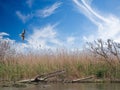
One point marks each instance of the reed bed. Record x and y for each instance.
(77, 63)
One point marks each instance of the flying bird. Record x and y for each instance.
(23, 35)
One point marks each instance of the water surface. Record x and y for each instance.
(80, 86)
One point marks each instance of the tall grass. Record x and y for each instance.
(76, 63)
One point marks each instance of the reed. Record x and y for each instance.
(77, 64)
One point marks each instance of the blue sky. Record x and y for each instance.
(58, 23)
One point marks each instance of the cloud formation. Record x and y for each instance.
(71, 40)
(39, 13)
(45, 37)
(48, 37)
(6, 39)
(24, 17)
(108, 25)
(48, 10)
(3, 34)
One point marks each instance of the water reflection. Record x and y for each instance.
(80, 86)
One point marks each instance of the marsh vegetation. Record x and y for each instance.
(99, 58)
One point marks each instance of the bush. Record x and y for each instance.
(100, 73)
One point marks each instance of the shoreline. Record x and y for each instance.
(18, 84)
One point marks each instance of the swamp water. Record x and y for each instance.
(74, 86)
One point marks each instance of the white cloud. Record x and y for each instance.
(70, 40)
(42, 37)
(39, 13)
(108, 25)
(89, 38)
(17, 46)
(24, 17)
(48, 37)
(48, 10)
(3, 34)
(5, 39)
(29, 3)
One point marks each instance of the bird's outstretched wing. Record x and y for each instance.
(23, 32)
(23, 35)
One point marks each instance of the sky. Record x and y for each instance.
(58, 23)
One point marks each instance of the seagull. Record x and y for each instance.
(23, 35)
